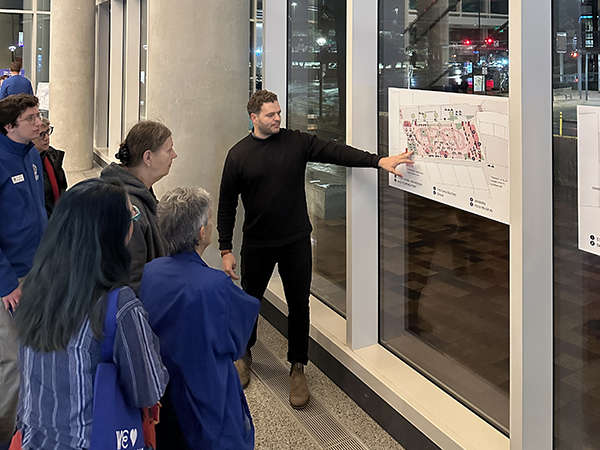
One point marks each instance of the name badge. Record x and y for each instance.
(18, 179)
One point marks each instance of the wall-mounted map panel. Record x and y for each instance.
(588, 177)
(460, 145)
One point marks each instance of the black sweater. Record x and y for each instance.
(269, 175)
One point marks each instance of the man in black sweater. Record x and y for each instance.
(267, 169)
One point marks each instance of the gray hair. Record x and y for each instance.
(181, 213)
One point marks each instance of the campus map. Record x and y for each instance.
(460, 149)
(443, 132)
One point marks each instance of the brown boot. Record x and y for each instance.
(299, 394)
(243, 367)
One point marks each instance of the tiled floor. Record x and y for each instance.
(277, 429)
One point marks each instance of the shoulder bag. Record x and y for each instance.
(116, 426)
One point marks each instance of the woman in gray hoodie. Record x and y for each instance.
(146, 156)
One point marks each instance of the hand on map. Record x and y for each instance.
(390, 163)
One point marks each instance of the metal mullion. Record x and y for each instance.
(531, 276)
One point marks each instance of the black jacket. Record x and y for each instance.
(56, 158)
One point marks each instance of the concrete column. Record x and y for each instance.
(72, 81)
(198, 84)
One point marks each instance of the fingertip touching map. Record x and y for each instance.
(460, 149)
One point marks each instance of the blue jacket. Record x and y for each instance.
(15, 84)
(22, 210)
(203, 322)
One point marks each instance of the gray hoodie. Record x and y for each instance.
(146, 242)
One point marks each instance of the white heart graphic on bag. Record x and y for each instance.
(133, 437)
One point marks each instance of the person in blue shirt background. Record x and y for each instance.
(203, 321)
(16, 83)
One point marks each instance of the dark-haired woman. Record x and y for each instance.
(146, 156)
(60, 318)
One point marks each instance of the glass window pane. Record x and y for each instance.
(16, 4)
(43, 5)
(143, 57)
(43, 49)
(471, 5)
(256, 47)
(258, 55)
(252, 81)
(444, 272)
(442, 51)
(102, 76)
(15, 35)
(499, 6)
(576, 177)
(317, 104)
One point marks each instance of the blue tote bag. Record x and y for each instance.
(116, 425)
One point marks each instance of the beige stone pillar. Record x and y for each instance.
(198, 82)
(72, 81)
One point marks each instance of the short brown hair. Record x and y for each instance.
(12, 107)
(258, 98)
(145, 135)
(15, 66)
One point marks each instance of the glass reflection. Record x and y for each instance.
(256, 46)
(576, 272)
(444, 272)
(143, 58)
(317, 104)
(442, 45)
(43, 49)
(16, 4)
(16, 39)
(43, 5)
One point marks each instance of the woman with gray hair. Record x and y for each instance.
(203, 321)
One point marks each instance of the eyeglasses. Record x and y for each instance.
(136, 213)
(48, 132)
(31, 118)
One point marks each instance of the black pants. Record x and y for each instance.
(295, 268)
(168, 432)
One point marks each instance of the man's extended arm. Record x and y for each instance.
(321, 150)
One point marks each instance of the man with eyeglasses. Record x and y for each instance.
(23, 221)
(55, 179)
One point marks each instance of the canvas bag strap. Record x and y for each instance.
(110, 326)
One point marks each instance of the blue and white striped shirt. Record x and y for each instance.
(57, 388)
